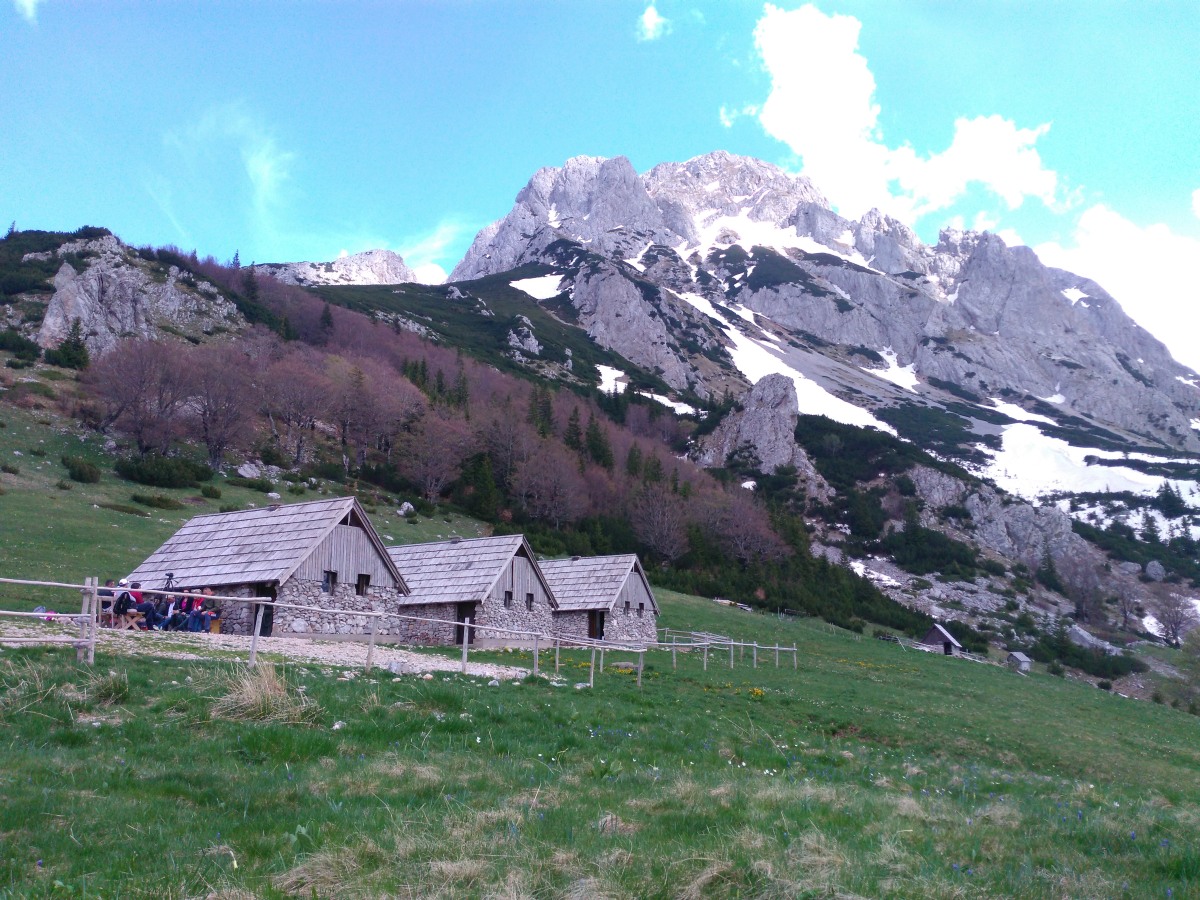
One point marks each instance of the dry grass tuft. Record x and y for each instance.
(1001, 814)
(610, 823)
(108, 689)
(820, 856)
(591, 889)
(909, 808)
(229, 892)
(261, 694)
(326, 873)
(705, 879)
(457, 870)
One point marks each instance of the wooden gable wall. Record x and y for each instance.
(349, 552)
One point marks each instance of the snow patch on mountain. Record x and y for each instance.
(543, 287)
(901, 376)
(756, 359)
(1074, 295)
(1018, 413)
(1031, 464)
(613, 380)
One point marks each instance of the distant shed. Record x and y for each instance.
(491, 581)
(605, 597)
(1019, 662)
(323, 554)
(943, 640)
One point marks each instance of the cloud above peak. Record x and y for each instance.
(28, 9)
(833, 126)
(651, 25)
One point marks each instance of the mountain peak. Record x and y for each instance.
(367, 267)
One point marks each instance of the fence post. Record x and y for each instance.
(592, 673)
(641, 665)
(706, 656)
(371, 646)
(94, 622)
(795, 659)
(755, 652)
(556, 656)
(674, 664)
(601, 659)
(535, 654)
(84, 609)
(731, 654)
(258, 617)
(466, 642)
(777, 654)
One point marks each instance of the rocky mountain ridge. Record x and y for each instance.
(368, 267)
(762, 250)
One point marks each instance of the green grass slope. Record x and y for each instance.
(866, 771)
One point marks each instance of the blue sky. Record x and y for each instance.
(293, 131)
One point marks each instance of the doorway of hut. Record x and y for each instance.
(463, 612)
(268, 619)
(596, 624)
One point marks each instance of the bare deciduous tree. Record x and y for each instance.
(142, 391)
(220, 398)
(294, 393)
(432, 452)
(660, 521)
(549, 485)
(1176, 614)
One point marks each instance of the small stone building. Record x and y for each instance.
(323, 554)
(492, 581)
(939, 638)
(603, 597)
(1019, 662)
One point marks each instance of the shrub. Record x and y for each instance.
(158, 501)
(37, 451)
(262, 485)
(163, 471)
(211, 491)
(63, 485)
(79, 469)
(122, 508)
(1055, 668)
(1104, 685)
(9, 469)
(19, 346)
(231, 507)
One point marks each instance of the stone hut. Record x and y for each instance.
(322, 554)
(492, 581)
(1019, 662)
(603, 597)
(942, 640)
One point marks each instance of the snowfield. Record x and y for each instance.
(541, 288)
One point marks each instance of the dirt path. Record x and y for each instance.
(182, 645)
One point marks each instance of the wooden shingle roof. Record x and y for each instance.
(461, 570)
(252, 545)
(593, 582)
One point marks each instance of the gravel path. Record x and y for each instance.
(182, 645)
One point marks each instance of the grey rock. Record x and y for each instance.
(119, 295)
(300, 626)
(1129, 568)
(1155, 570)
(765, 430)
(368, 267)
(1083, 638)
(249, 470)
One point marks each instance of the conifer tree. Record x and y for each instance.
(573, 436)
(598, 447)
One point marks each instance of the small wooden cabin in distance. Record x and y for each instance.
(324, 554)
(603, 597)
(940, 639)
(492, 581)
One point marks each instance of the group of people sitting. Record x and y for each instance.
(125, 606)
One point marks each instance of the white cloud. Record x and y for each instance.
(833, 126)
(1150, 272)
(343, 253)
(431, 273)
(430, 252)
(652, 26)
(28, 9)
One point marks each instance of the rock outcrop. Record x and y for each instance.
(763, 431)
(117, 295)
(368, 267)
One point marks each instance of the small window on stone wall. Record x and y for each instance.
(626, 607)
(360, 587)
(508, 599)
(529, 602)
(328, 582)
(641, 609)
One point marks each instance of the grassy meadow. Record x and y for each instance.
(866, 771)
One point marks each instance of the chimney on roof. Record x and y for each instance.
(576, 558)
(274, 506)
(455, 540)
